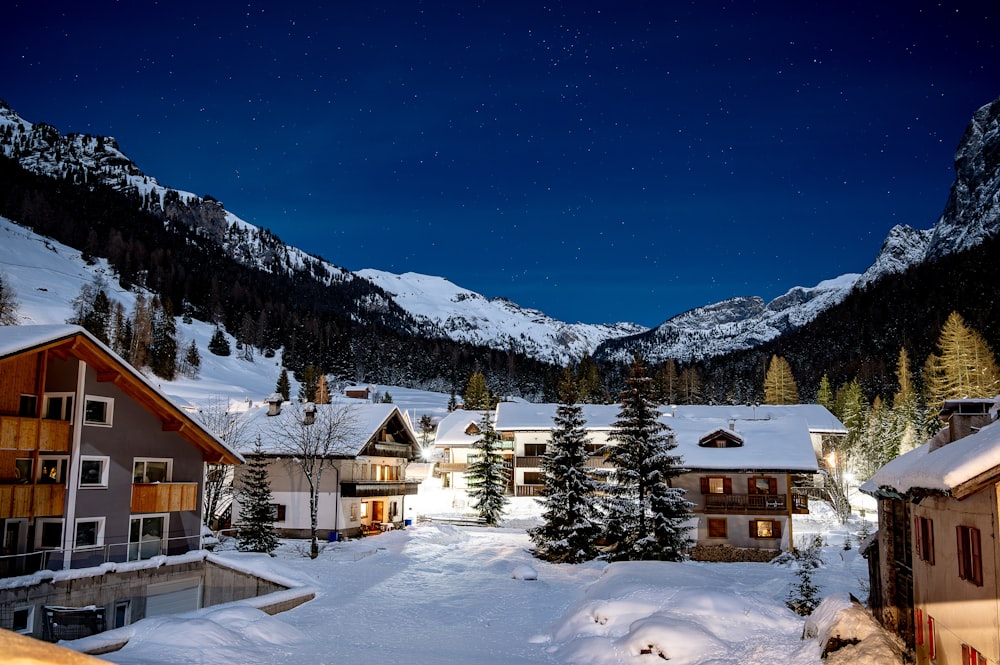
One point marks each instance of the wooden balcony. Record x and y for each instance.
(32, 501)
(164, 497)
(529, 461)
(393, 449)
(35, 434)
(369, 488)
(528, 490)
(452, 467)
(800, 503)
(746, 503)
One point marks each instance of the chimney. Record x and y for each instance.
(274, 401)
(309, 411)
(965, 417)
(732, 425)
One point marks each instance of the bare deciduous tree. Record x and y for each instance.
(313, 437)
(231, 429)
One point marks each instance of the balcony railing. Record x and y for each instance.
(393, 449)
(35, 434)
(528, 490)
(529, 461)
(452, 467)
(164, 497)
(368, 488)
(746, 503)
(32, 500)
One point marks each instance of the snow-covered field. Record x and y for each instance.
(436, 593)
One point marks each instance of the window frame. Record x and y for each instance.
(141, 518)
(105, 466)
(756, 524)
(278, 512)
(98, 533)
(145, 474)
(725, 483)
(715, 522)
(931, 642)
(22, 477)
(923, 538)
(61, 463)
(27, 406)
(970, 554)
(66, 407)
(40, 523)
(29, 626)
(971, 656)
(109, 410)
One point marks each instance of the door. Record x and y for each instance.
(378, 511)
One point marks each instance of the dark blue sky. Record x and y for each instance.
(600, 161)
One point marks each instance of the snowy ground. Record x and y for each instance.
(436, 593)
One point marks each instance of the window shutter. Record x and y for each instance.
(976, 558)
(727, 485)
(772, 485)
(918, 541)
(776, 525)
(930, 541)
(918, 625)
(704, 484)
(751, 486)
(753, 528)
(963, 573)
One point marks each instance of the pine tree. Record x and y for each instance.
(487, 475)
(779, 384)
(963, 367)
(824, 396)
(255, 532)
(452, 401)
(308, 383)
(192, 361)
(219, 344)
(804, 596)
(570, 518)
(588, 378)
(477, 395)
(644, 515)
(283, 387)
(163, 347)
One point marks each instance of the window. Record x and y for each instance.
(48, 533)
(923, 534)
(972, 657)
(717, 528)
(763, 485)
(918, 626)
(765, 529)
(716, 485)
(123, 613)
(145, 536)
(23, 470)
(533, 478)
(364, 509)
(594, 448)
(59, 406)
(98, 411)
(93, 471)
(23, 619)
(364, 472)
(89, 532)
(534, 449)
(151, 470)
(277, 512)
(970, 558)
(931, 642)
(52, 469)
(354, 512)
(28, 406)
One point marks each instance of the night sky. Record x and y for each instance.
(600, 161)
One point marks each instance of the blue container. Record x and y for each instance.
(334, 536)
(407, 522)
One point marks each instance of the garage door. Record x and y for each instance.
(173, 597)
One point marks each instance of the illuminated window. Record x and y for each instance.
(970, 558)
(364, 509)
(718, 528)
(923, 533)
(52, 469)
(765, 529)
(716, 485)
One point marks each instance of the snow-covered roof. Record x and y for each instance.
(453, 428)
(947, 469)
(366, 420)
(22, 339)
(777, 438)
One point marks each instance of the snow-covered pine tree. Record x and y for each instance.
(219, 344)
(803, 597)
(644, 516)
(283, 386)
(570, 518)
(255, 532)
(487, 475)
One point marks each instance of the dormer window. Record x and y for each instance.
(721, 438)
(473, 430)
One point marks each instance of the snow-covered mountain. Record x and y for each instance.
(443, 309)
(971, 215)
(498, 323)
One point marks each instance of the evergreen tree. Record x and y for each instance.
(452, 401)
(963, 367)
(804, 596)
(219, 344)
(255, 532)
(308, 383)
(8, 304)
(644, 515)
(666, 383)
(487, 475)
(570, 518)
(907, 411)
(824, 396)
(588, 378)
(779, 384)
(477, 395)
(426, 427)
(142, 332)
(92, 309)
(283, 387)
(192, 361)
(386, 398)
(163, 348)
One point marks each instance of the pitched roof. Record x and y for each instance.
(366, 421)
(774, 437)
(70, 340)
(452, 431)
(957, 468)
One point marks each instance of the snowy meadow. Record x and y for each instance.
(439, 593)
